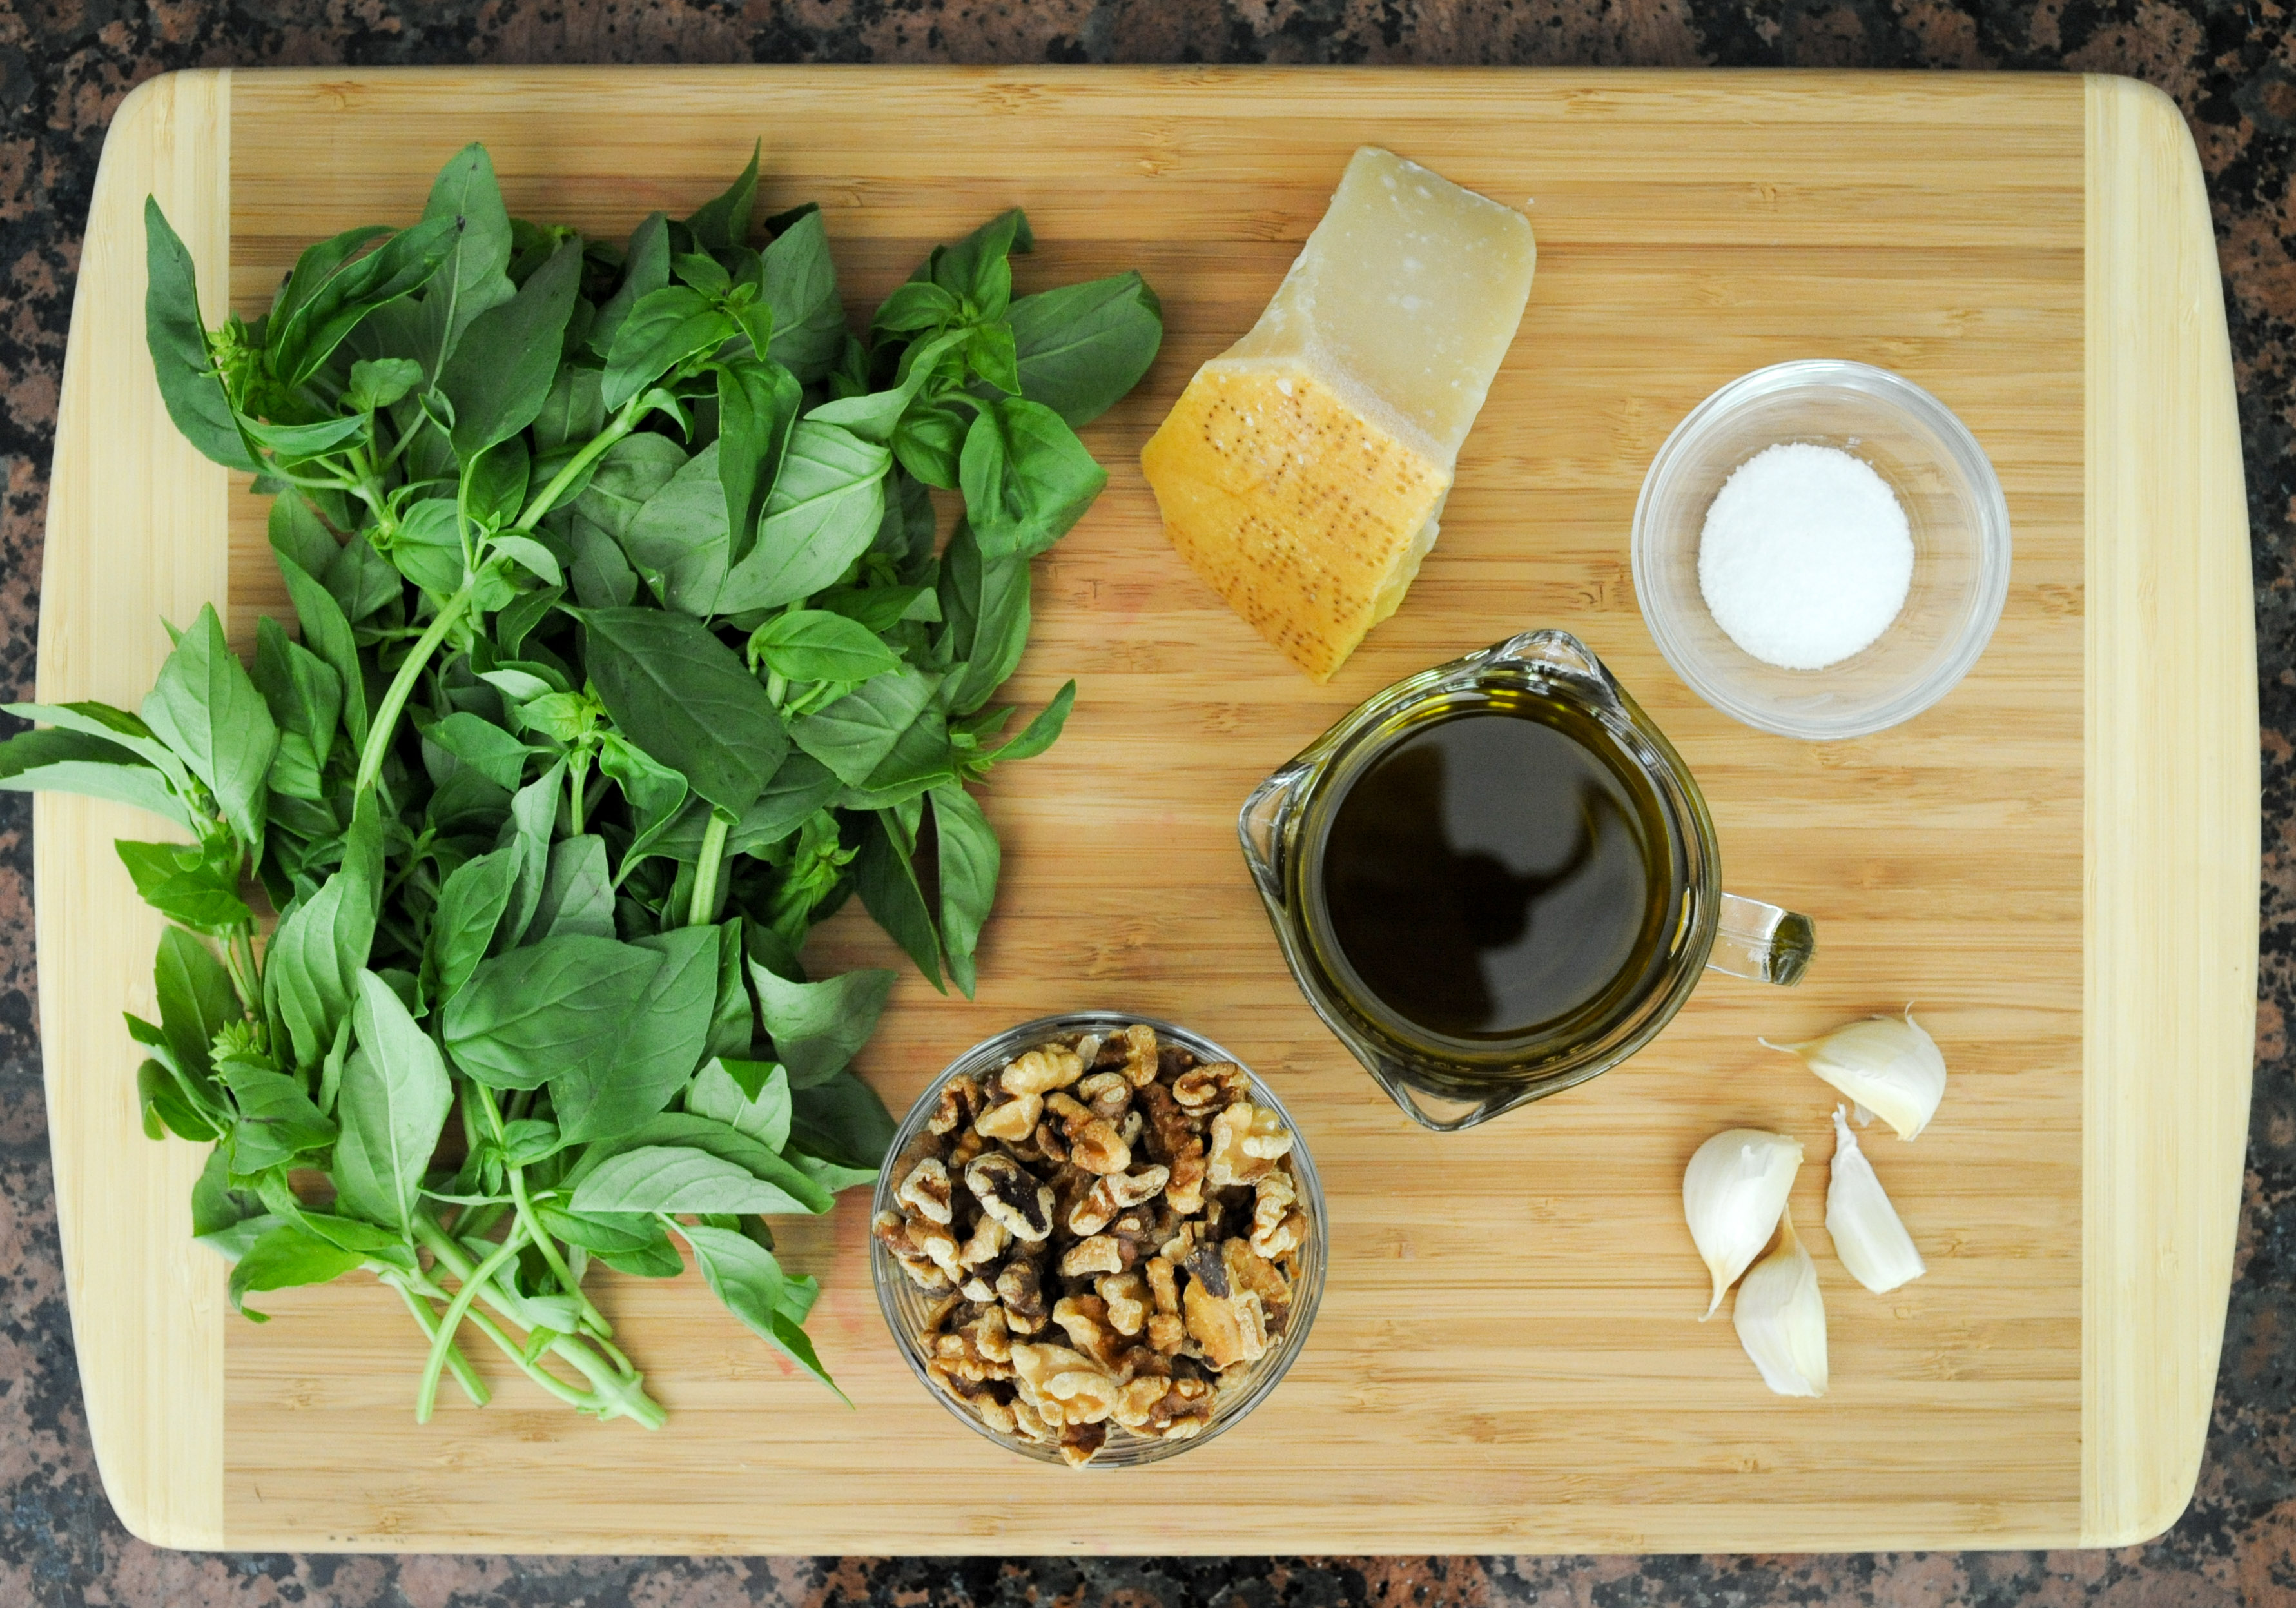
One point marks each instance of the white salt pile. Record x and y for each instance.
(1805, 556)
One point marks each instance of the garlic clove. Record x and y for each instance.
(1733, 1193)
(1781, 1318)
(1868, 1237)
(1887, 1064)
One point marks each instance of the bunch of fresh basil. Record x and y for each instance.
(626, 655)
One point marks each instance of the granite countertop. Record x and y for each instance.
(64, 66)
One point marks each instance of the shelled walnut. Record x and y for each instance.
(1109, 1192)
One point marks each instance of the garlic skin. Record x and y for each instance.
(1868, 1236)
(1887, 1064)
(1781, 1318)
(1732, 1194)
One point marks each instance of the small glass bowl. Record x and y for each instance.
(906, 1305)
(1952, 500)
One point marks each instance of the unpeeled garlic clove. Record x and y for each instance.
(1733, 1193)
(1868, 1237)
(1781, 1318)
(1887, 1064)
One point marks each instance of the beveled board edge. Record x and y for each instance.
(2173, 819)
(136, 524)
(2166, 1068)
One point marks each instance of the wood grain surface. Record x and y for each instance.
(2058, 867)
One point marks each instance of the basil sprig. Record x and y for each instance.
(626, 649)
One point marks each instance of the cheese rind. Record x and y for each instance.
(1289, 501)
(1301, 472)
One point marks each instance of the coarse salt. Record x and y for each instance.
(1806, 556)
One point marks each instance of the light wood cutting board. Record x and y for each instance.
(2058, 862)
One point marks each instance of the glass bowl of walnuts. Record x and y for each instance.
(1098, 1239)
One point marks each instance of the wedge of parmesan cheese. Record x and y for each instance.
(1303, 471)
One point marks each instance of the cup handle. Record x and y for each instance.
(1762, 941)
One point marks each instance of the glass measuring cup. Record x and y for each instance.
(1446, 1082)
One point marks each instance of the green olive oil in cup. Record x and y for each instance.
(1495, 880)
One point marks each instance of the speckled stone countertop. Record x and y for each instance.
(65, 64)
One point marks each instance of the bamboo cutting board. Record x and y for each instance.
(2058, 863)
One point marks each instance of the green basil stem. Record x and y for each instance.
(547, 498)
(705, 870)
(386, 715)
(425, 1319)
(426, 1395)
(531, 1222)
(611, 1396)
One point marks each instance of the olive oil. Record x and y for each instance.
(1496, 873)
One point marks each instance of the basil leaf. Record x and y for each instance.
(745, 1276)
(471, 906)
(314, 265)
(727, 1143)
(723, 222)
(1035, 737)
(552, 1010)
(629, 474)
(178, 342)
(645, 269)
(986, 602)
(886, 879)
(658, 1043)
(206, 708)
(991, 354)
(822, 514)
(311, 965)
(758, 404)
(194, 884)
(533, 814)
(196, 999)
(474, 279)
(362, 580)
(302, 690)
(574, 411)
(1026, 477)
(702, 713)
(675, 1178)
(277, 1121)
(602, 1232)
(815, 645)
(600, 572)
(817, 1027)
(577, 896)
(284, 1258)
(327, 632)
(979, 268)
(300, 344)
(112, 725)
(800, 285)
(655, 794)
(54, 762)
(872, 415)
(852, 735)
(880, 608)
(215, 1205)
(930, 441)
(1082, 347)
(664, 329)
(294, 443)
(678, 540)
(377, 383)
(968, 858)
(392, 1104)
(503, 366)
(842, 1120)
(750, 1097)
(494, 482)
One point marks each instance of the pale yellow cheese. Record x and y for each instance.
(1302, 471)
